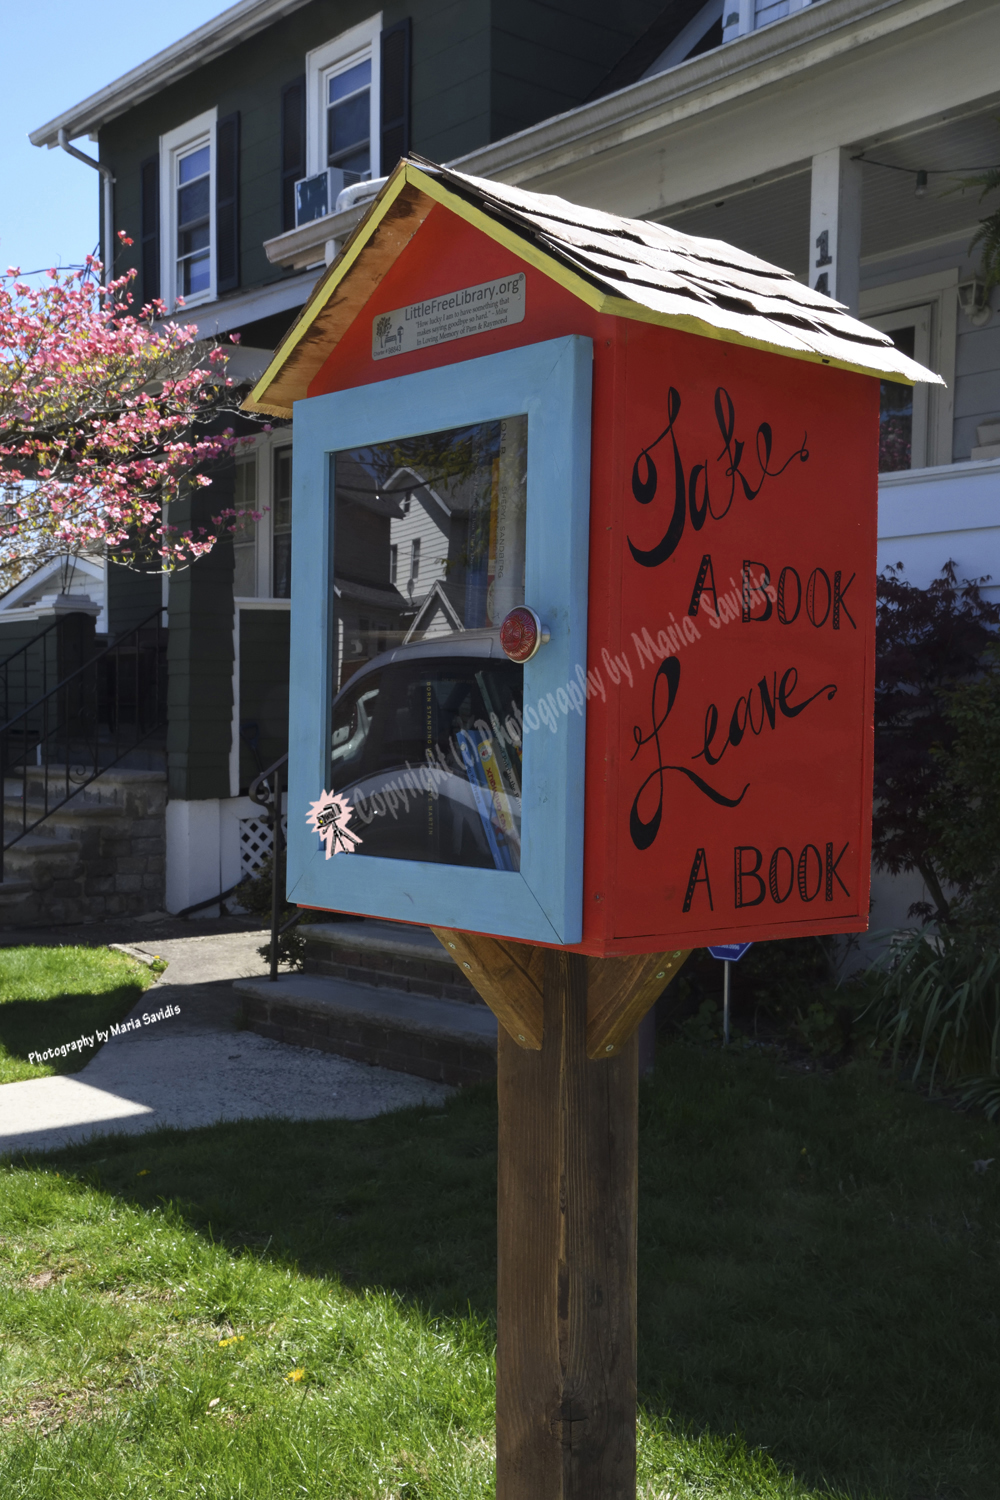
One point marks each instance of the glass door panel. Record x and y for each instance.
(429, 556)
(903, 408)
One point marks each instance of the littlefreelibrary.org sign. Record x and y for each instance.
(454, 315)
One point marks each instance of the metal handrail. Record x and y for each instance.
(271, 803)
(68, 717)
(23, 651)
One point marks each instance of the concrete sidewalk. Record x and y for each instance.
(197, 1068)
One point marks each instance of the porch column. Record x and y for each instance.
(835, 227)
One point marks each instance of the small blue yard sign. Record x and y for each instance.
(731, 951)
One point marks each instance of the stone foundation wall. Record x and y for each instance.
(101, 855)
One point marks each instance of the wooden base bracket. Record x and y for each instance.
(509, 976)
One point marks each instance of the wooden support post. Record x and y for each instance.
(566, 1263)
(568, 1085)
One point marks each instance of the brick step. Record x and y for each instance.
(385, 954)
(448, 1041)
(109, 787)
(35, 846)
(13, 892)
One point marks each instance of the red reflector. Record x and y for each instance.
(521, 633)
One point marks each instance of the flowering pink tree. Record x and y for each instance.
(106, 417)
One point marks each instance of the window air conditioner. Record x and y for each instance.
(316, 196)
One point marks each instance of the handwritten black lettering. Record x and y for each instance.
(691, 490)
(644, 830)
(838, 600)
(696, 878)
(803, 872)
(808, 873)
(783, 596)
(751, 586)
(814, 597)
(740, 874)
(773, 876)
(774, 698)
(831, 872)
(704, 583)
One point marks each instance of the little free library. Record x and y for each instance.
(636, 472)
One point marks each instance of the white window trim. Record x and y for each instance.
(172, 145)
(234, 730)
(939, 291)
(350, 47)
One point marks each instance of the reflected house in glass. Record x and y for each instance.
(431, 535)
(662, 451)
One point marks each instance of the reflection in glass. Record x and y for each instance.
(895, 433)
(348, 122)
(428, 537)
(429, 552)
(194, 270)
(428, 753)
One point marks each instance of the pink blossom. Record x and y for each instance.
(103, 421)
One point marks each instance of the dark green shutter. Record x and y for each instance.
(227, 204)
(149, 232)
(395, 86)
(293, 146)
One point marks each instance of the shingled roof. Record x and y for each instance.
(630, 268)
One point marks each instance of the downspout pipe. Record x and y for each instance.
(108, 181)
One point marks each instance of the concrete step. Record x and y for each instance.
(449, 1041)
(390, 954)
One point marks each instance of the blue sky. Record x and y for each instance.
(49, 210)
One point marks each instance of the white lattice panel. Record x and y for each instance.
(255, 843)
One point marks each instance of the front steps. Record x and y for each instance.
(99, 855)
(382, 993)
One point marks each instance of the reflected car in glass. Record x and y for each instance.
(426, 747)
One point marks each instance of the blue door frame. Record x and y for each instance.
(543, 902)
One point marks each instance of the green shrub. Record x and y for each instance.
(782, 979)
(254, 894)
(938, 1005)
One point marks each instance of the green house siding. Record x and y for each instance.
(264, 655)
(200, 657)
(449, 38)
(549, 57)
(481, 69)
(132, 598)
(57, 646)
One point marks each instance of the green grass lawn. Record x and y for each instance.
(51, 996)
(270, 1310)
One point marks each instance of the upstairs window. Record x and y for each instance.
(191, 212)
(349, 121)
(194, 221)
(343, 103)
(187, 211)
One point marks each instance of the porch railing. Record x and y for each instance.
(25, 674)
(79, 728)
(265, 790)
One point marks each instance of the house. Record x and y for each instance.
(831, 138)
(206, 143)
